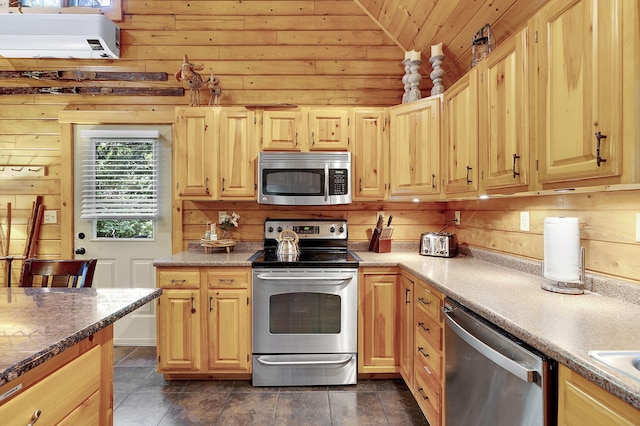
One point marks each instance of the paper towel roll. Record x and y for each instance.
(562, 260)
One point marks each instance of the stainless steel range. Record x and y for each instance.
(305, 305)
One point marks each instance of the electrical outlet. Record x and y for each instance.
(456, 219)
(50, 216)
(524, 221)
(221, 216)
(638, 227)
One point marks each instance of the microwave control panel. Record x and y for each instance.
(338, 181)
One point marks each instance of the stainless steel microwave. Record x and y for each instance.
(304, 178)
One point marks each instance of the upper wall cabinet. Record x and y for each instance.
(461, 136)
(215, 153)
(370, 151)
(195, 154)
(415, 149)
(504, 118)
(578, 90)
(306, 129)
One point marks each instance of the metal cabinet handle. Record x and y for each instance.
(420, 391)
(407, 299)
(313, 139)
(210, 303)
(206, 184)
(296, 138)
(178, 281)
(468, 170)
(360, 186)
(433, 180)
(424, 301)
(599, 159)
(513, 168)
(226, 280)
(422, 326)
(424, 354)
(193, 305)
(222, 184)
(34, 417)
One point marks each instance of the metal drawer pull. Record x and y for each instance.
(513, 168)
(226, 280)
(599, 159)
(424, 301)
(422, 394)
(421, 325)
(424, 354)
(34, 417)
(193, 307)
(343, 360)
(178, 281)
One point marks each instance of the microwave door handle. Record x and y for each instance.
(326, 182)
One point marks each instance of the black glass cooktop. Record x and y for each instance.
(306, 259)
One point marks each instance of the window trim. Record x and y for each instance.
(114, 12)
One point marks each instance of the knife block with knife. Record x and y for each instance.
(381, 236)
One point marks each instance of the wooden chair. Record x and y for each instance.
(57, 273)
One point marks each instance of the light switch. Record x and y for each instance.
(524, 221)
(50, 216)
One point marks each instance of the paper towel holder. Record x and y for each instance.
(567, 287)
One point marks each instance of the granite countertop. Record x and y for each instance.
(38, 323)
(506, 290)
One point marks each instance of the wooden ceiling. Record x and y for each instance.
(418, 24)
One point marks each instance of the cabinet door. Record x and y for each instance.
(405, 309)
(228, 330)
(329, 129)
(370, 154)
(377, 347)
(195, 153)
(179, 330)
(504, 123)
(281, 130)
(581, 402)
(578, 55)
(415, 149)
(238, 154)
(461, 135)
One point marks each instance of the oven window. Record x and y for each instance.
(304, 313)
(293, 182)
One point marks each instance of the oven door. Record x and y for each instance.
(305, 311)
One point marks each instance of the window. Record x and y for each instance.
(112, 9)
(120, 183)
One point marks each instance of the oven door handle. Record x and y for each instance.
(340, 361)
(522, 372)
(303, 277)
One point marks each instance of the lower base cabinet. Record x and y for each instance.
(73, 388)
(581, 402)
(204, 322)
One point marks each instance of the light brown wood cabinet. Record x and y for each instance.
(415, 150)
(581, 402)
(503, 117)
(215, 153)
(204, 322)
(406, 335)
(377, 320)
(370, 154)
(578, 90)
(428, 350)
(305, 129)
(460, 140)
(74, 387)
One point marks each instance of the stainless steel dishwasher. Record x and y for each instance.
(492, 379)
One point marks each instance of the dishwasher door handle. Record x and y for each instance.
(522, 372)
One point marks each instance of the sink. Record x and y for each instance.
(626, 362)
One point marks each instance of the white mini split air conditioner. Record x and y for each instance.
(58, 36)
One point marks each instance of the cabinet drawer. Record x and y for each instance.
(429, 301)
(430, 357)
(56, 395)
(88, 413)
(429, 396)
(178, 278)
(429, 328)
(227, 278)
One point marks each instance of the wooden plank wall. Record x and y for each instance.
(607, 227)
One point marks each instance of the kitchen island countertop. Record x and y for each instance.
(564, 327)
(40, 323)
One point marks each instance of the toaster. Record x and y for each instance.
(440, 244)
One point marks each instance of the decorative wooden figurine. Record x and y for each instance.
(188, 74)
(215, 91)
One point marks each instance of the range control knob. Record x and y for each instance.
(270, 229)
(279, 229)
(341, 230)
(332, 229)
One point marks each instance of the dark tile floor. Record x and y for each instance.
(143, 397)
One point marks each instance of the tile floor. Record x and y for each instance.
(143, 397)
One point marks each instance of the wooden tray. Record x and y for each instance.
(211, 244)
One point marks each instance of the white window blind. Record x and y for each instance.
(120, 178)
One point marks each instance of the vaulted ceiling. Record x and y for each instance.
(418, 24)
